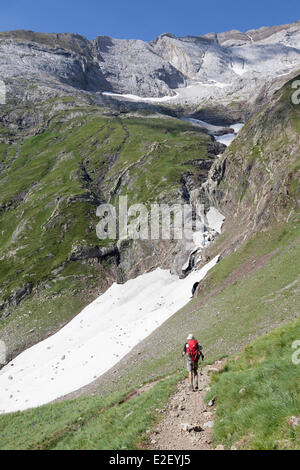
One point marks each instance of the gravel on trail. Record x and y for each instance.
(187, 422)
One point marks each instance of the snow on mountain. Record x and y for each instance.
(231, 66)
(95, 340)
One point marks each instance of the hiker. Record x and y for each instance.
(193, 350)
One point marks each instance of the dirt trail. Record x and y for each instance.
(186, 407)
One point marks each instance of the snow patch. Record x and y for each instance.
(238, 68)
(199, 123)
(226, 139)
(95, 340)
(237, 127)
(215, 219)
(140, 98)
(214, 83)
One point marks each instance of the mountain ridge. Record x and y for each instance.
(186, 69)
(268, 30)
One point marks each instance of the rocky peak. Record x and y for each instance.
(72, 42)
(231, 69)
(267, 32)
(232, 38)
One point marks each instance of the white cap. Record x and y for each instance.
(190, 336)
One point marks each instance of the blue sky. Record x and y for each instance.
(145, 19)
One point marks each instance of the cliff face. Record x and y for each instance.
(197, 73)
(60, 159)
(256, 182)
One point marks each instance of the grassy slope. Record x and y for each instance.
(228, 320)
(257, 418)
(48, 169)
(224, 323)
(49, 191)
(114, 422)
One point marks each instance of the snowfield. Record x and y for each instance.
(225, 139)
(228, 138)
(140, 98)
(198, 123)
(95, 340)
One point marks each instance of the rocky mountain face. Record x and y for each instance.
(88, 121)
(54, 175)
(232, 69)
(256, 180)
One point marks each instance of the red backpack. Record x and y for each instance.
(192, 350)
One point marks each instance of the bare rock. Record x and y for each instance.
(212, 402)
(213, 370)
(294, 421)
(186, 427)
(208, 424)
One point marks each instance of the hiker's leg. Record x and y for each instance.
(195, 370)
(196, 378)
(191, 381)
(189, 366)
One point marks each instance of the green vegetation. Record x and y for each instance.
(42, 313)
(258, 393)
(251, 305)
(116, 422)
(50, 186)
(261, 244)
